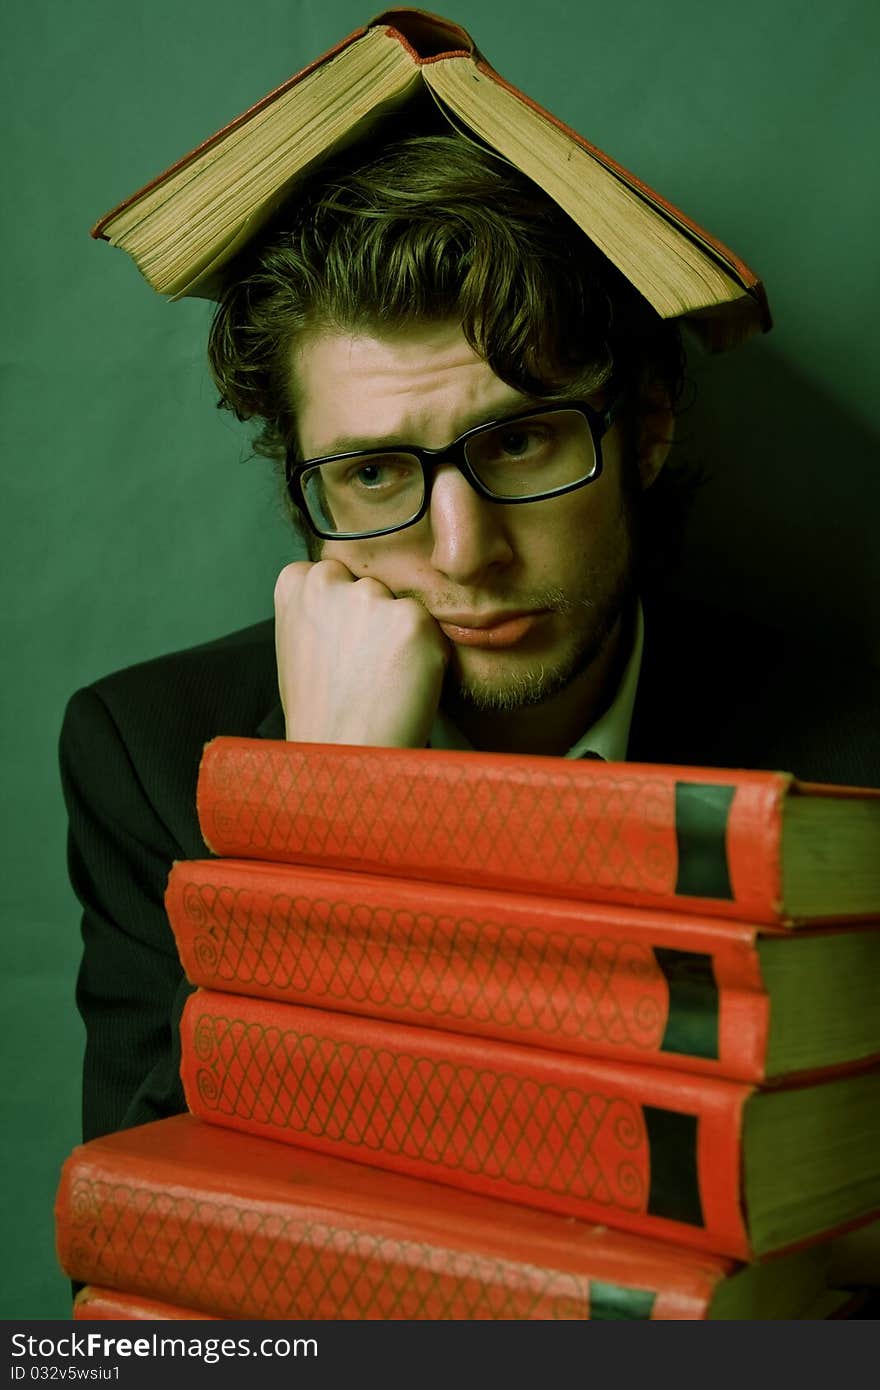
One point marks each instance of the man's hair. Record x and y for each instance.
(432, 227)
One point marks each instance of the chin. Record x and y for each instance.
(512, 685)
(503, 682)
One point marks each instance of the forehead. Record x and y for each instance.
(423, 384)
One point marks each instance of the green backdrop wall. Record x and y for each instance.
(134, 521)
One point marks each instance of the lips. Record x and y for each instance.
(491, 630)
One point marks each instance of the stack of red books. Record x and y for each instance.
(538, 1038)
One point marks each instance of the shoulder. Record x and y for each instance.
(722, 689)
(246, 658)
(138, 734)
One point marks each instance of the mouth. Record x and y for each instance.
(493, 630)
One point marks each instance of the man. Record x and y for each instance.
(472, 412)
(522, 615)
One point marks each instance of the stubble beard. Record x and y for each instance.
(604, 608)
(602, 612)
(516, 689)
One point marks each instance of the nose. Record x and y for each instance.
(469, 535)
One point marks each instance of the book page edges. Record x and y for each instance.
(468, 50)
(618, 201)
(362, 70)
(732, 262)
(203, 280)
(99, 230)
(797, 787)
(716, 326)
(728, 325)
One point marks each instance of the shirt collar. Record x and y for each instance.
(608, 736)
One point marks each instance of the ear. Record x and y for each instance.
(655, 433)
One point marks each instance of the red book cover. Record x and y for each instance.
(706, 840)
(641, 1148)
(596, 980)
(680, 991)
(93, 1304)
(238, 1227)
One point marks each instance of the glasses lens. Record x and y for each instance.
(533, 454)
(368, 493)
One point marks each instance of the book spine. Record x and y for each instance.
(636, 1148)
(618, 983)
(205, 1238)
(94, 1304)
(644, 835)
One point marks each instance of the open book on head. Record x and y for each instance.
(186, 225)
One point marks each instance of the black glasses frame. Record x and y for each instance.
(599, 423)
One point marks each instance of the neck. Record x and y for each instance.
(553, 725)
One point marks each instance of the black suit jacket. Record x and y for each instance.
(713, 692)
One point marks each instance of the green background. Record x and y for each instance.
(134, 521)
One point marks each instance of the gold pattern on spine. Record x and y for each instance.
(584, 829)
(448, 1117)
(431, 966)
(206, 1253)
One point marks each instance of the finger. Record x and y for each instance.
(290, 581)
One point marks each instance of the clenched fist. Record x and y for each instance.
(355, 664)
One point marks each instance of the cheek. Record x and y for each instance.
(380, 560)
(339, 550)
(582, 528)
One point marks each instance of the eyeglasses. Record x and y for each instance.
(542, 453)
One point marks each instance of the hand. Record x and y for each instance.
(355, 664)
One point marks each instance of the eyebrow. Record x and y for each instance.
(351, 443)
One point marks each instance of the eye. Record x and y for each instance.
(378, 474)
(516, 442)
(522, 441)
(370, 475)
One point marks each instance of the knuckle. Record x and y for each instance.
(370, 588)
(287, 583)
(329, 571)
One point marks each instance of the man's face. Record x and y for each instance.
(528, 595)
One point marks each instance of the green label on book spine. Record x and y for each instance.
(611, 1303)
(692, 1020)
(675, 1179)
(701, 816)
